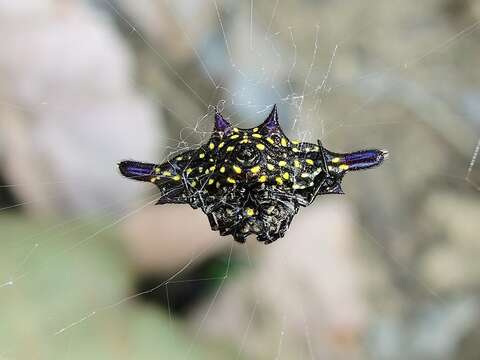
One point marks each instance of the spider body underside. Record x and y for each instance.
(251, 181)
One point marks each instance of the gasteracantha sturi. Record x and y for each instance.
(251, 181)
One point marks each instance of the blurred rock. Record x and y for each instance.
(71, 96)
(451, 266)
(433, 332)
(165, 239)
(165, 23)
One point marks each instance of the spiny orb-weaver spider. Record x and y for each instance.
(251, 181)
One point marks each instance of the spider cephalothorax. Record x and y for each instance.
(251, 181)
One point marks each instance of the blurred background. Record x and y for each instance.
(90, 269)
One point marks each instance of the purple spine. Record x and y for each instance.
(222, 125)
(136, 170)
(364, 159)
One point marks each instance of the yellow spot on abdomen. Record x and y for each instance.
(335, 160)
(211, 146)
(282, 163)
(283, 142)
(309, 161)
(167, 173)
(260, 147)
(230, 180)
(201, 155)
(250, 212)
(234, 136)
(230, 148)
(222, 169)
(286, 176)
(176, 178)
(270, 167)
(343, 167)
(262, 178)
(270, 140)
(296, 163)
(237, 169)
(210, 181)
(255, 169)
(279, 180)
(258, 136)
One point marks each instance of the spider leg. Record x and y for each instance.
(171, 195)
(213, 221)
(239, 237)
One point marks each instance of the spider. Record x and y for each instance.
(251, 181)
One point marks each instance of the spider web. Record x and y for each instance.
(306, 81)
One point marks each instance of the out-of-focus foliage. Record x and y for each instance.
(51, 293)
